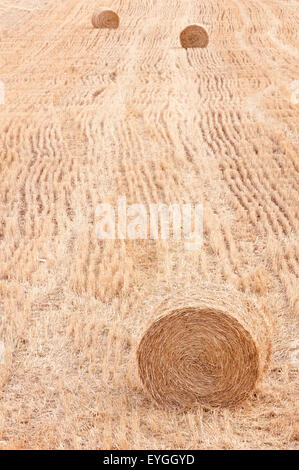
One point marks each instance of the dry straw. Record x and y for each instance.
(207, 346)
(105, 18)
(194, 35)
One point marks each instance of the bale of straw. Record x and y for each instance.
(105, 18)
(194, 35)
(209, 346)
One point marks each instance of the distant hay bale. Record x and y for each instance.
(105, 18)
(209, 347)
(194, 35)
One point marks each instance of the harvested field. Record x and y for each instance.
(91, 115)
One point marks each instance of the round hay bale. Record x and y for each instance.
(208, 347)
(105, 18)
(194, 35)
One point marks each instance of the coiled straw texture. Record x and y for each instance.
(209, 347)
(194, 35)
(105, 18)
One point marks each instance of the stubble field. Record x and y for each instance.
(91, 115)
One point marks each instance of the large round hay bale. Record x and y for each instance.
(105, 18)
(194, 35)
(209, 347)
